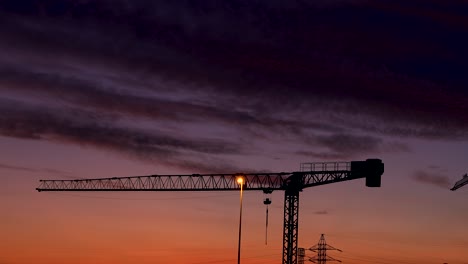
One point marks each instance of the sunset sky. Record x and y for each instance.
(111, 88)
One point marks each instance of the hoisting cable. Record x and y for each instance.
(266, 202)
(266, 227)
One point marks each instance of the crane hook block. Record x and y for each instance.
(267, 201)
(372, 169)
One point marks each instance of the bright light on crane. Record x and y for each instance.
(240, 180)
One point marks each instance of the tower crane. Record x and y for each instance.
(292, 183)
(461, 182)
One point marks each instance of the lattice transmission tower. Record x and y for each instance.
(321, 249)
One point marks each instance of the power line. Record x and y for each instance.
(226, 260)
(362, 241)
(383, 260)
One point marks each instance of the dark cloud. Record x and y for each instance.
(93, 95)
(322, 212)
(433, 178)
(70, 126)
(342, 146)
(324, 155)
(90, 129)
(335, 76)
(34, 170)
(349, 143)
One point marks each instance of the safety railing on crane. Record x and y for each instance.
(326, 166)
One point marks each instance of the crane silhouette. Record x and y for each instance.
(292, 183)
(461, 182)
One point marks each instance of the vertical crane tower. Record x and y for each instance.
(292, 183)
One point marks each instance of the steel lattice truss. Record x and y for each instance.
(325, 173)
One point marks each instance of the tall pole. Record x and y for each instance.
(240, 180)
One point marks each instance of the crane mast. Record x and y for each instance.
(292, 183)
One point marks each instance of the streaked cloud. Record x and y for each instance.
(191, 85)
(322, 212)
(5, 166)
(432, 178)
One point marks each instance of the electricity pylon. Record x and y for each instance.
(321, 249)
